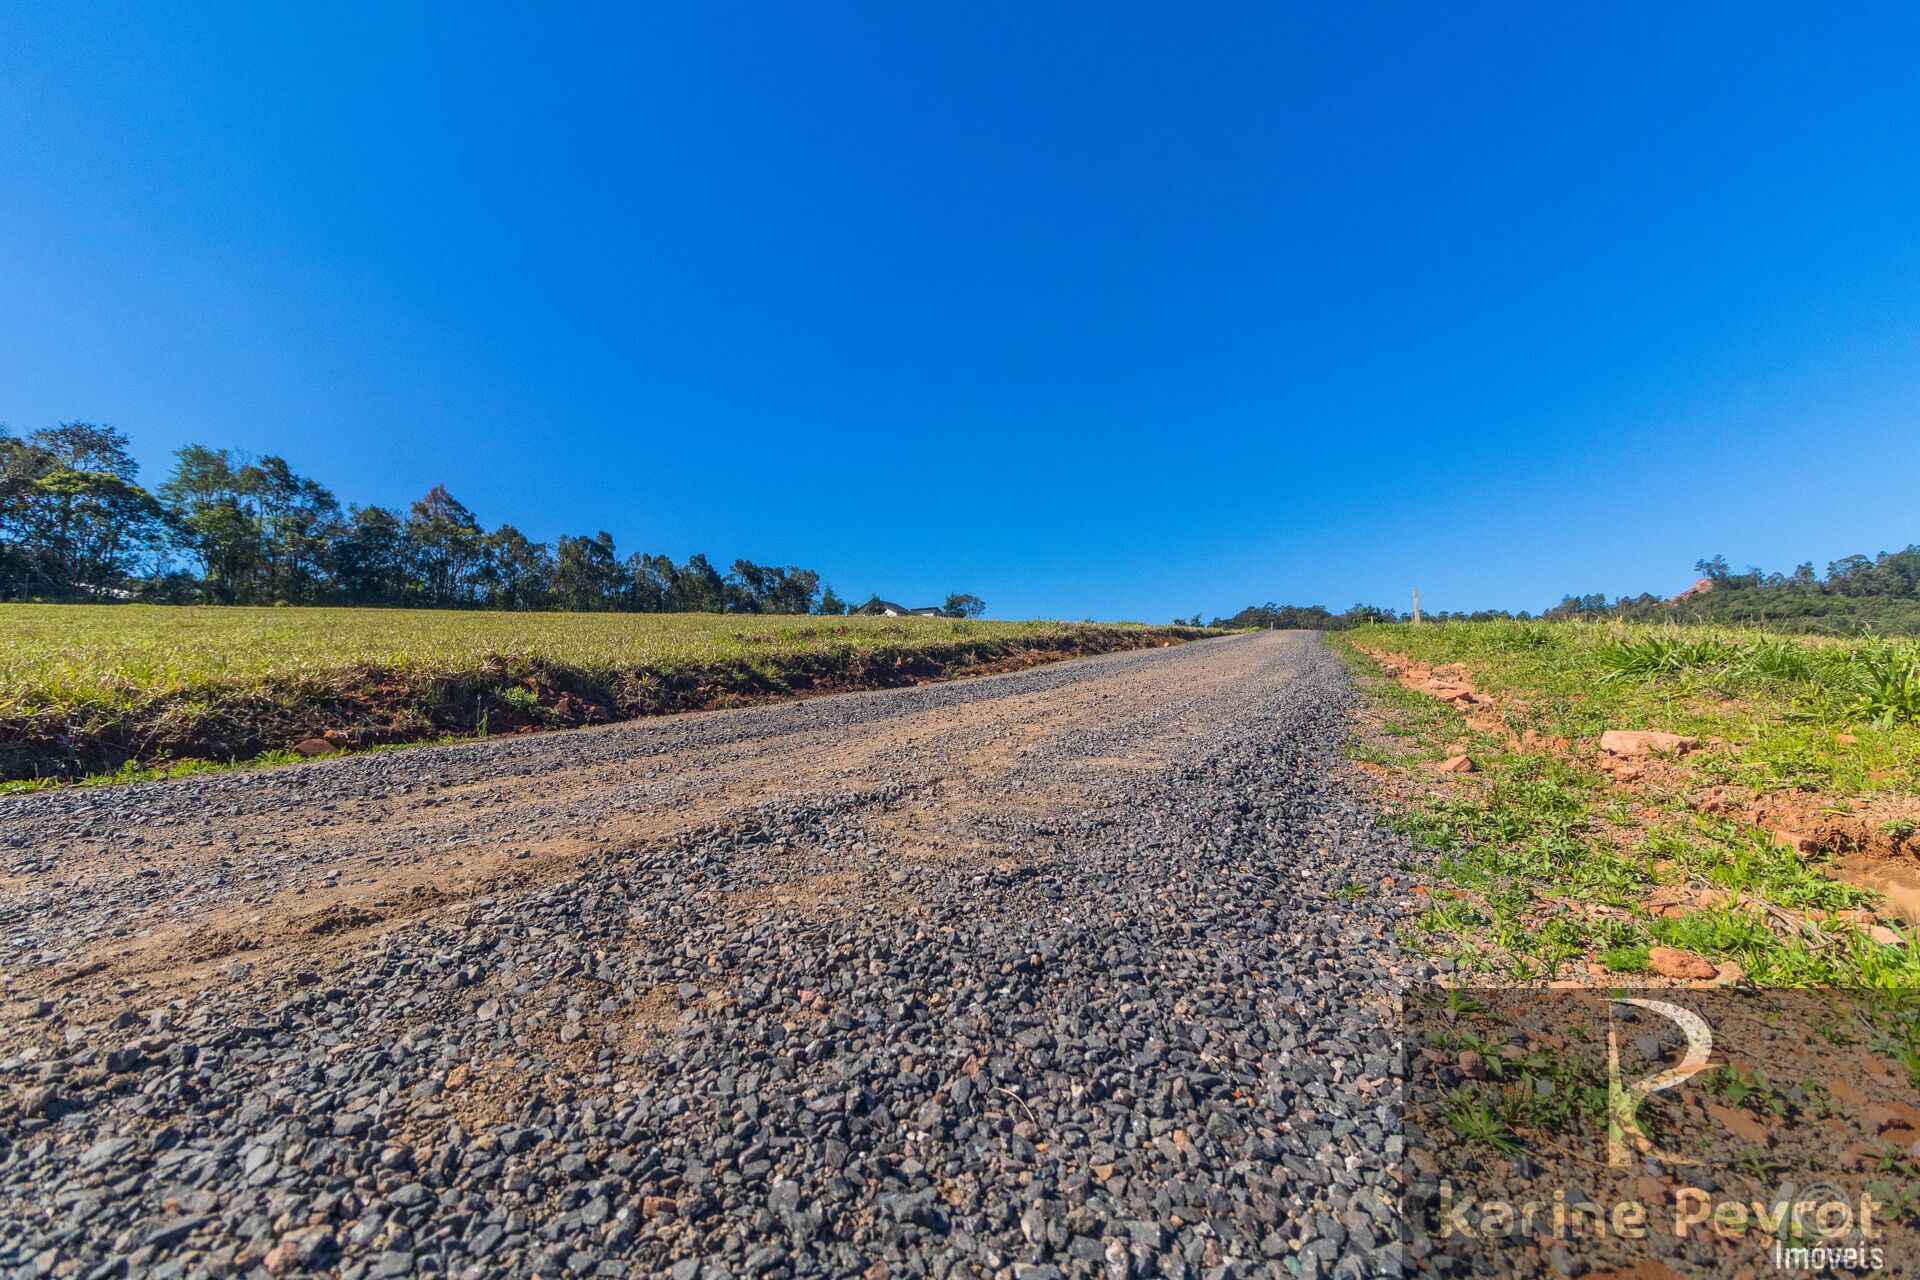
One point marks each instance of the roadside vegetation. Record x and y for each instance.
(131, 690)
(1753, 846)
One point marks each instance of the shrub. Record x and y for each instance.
(1651, 657)
(1888, 688)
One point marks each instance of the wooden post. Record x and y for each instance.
(1416, 604)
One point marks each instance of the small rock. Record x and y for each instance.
(298, 1250)
(1849, 1094)
(1642, 742)
(1742, 1125)
(1456, 764)
(393, 1263)
(1798, 841)
(314, 747)
(173, 1232)
(1671, 962)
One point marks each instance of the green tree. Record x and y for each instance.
(259, 531)
(650, 582)
(516, 572)
(759, 588)
(587, 576)
(447, 544)
(372, 559)
(24, 570)
(962, 604)
(795, 590)
(751, 587)
(213, 520)
(73, 520)
(297, 520)
(698, 588)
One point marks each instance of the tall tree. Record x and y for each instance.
(750, 587)
(24, 566)
(372, 559)
(73, 518)
(698, 588)
(213, 520)
(587, 576)
(74, 521)
(760, 588)
(517, 571)
(650, 582)
(794, 590)
(297, 520)
(447, 544)
(963, 604)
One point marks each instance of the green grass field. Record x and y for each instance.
(1780, 700)
(1550, 861)
(86, 688)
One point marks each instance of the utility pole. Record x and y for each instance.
(1416, 605)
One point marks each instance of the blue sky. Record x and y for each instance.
(1097, 310)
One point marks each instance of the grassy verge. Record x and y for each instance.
(1557, 860)
(136, 691)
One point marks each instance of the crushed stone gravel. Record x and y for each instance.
(1114, 1000)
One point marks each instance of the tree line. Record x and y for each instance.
(1856, 593)
(76, 524)
(1314, 617)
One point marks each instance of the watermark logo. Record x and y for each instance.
(1623, 1100)
(1717, 1133)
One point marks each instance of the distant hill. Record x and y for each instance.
(1856, 594)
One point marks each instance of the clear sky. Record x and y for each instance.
(1101, 310)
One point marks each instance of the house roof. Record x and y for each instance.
(888, 604)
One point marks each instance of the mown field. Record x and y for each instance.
(1763, 850)
(87, 689)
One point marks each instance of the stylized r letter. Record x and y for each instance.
(1623, 1101)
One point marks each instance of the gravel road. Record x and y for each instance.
(1084, 970)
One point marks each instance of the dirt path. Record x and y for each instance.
(1075, 970)
(160, 883)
